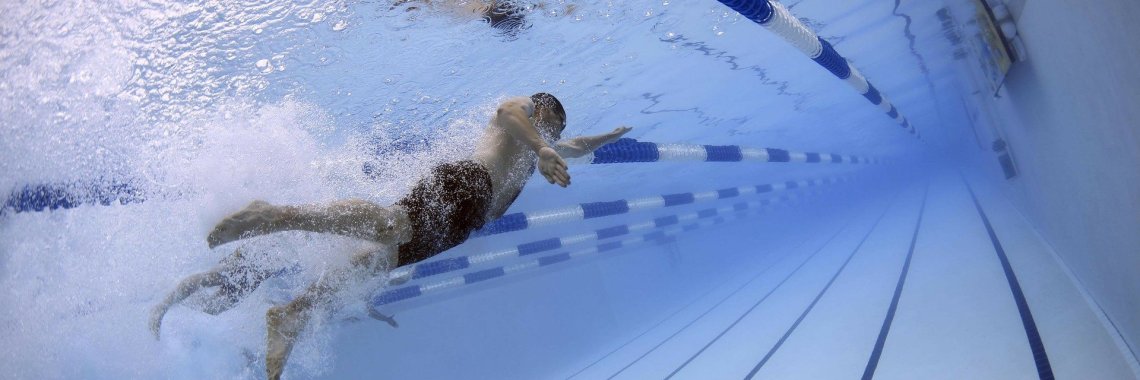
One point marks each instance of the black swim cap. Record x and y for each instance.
(547, 101)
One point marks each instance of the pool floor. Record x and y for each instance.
(956, 315)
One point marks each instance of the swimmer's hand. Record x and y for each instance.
(581, 146)
(614, 135)
(381, 317)
(553, 167)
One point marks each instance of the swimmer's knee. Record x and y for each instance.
(393, 227)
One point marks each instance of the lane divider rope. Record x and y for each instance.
(68, 195)
(627, 150)
(668, 227)
(524, 220)
(776, 18)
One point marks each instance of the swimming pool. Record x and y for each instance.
(778, 226)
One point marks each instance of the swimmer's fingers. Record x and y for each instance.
(556, 173)
(559, 177)
(619, 131)
(563, 173)
(560, 165)
(616, 134)
(553, 167)
(562, 177)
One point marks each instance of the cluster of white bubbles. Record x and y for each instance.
(169, 97)
(203, 106)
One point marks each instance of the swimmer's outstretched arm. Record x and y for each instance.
(513, 117)
(581, 146)
(188, 286)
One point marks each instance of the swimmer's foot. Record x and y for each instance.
(258, 218)
(390, 320)
(284, 324)
(156, 315)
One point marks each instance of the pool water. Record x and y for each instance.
(197, 108)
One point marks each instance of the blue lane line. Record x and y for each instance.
(877, 352)
(714, 307)
(1040, 358)
(823, 291)
(686, 307)
(750, 309)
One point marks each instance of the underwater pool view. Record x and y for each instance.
(761, 218)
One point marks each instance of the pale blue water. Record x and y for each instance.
(209, 105)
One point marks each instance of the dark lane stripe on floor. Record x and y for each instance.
(714, 307)
(755, 305)
(765, 297)
(1044, 370)
(869, 372)
(811, 306)
(690, 304)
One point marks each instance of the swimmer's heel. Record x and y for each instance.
(257, 218)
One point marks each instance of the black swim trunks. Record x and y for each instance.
(240, 275)
(444, 208)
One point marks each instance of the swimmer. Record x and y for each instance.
(235, 277)
(439, 213)
(507, 16)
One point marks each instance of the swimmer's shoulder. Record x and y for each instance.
(523, 102)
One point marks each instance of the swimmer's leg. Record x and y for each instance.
(285, 323)
(353, 218)
(188, 286)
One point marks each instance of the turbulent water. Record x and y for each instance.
(207, 105)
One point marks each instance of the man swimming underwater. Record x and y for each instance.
(439, 212)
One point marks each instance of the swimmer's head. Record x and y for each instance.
(549, 116)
